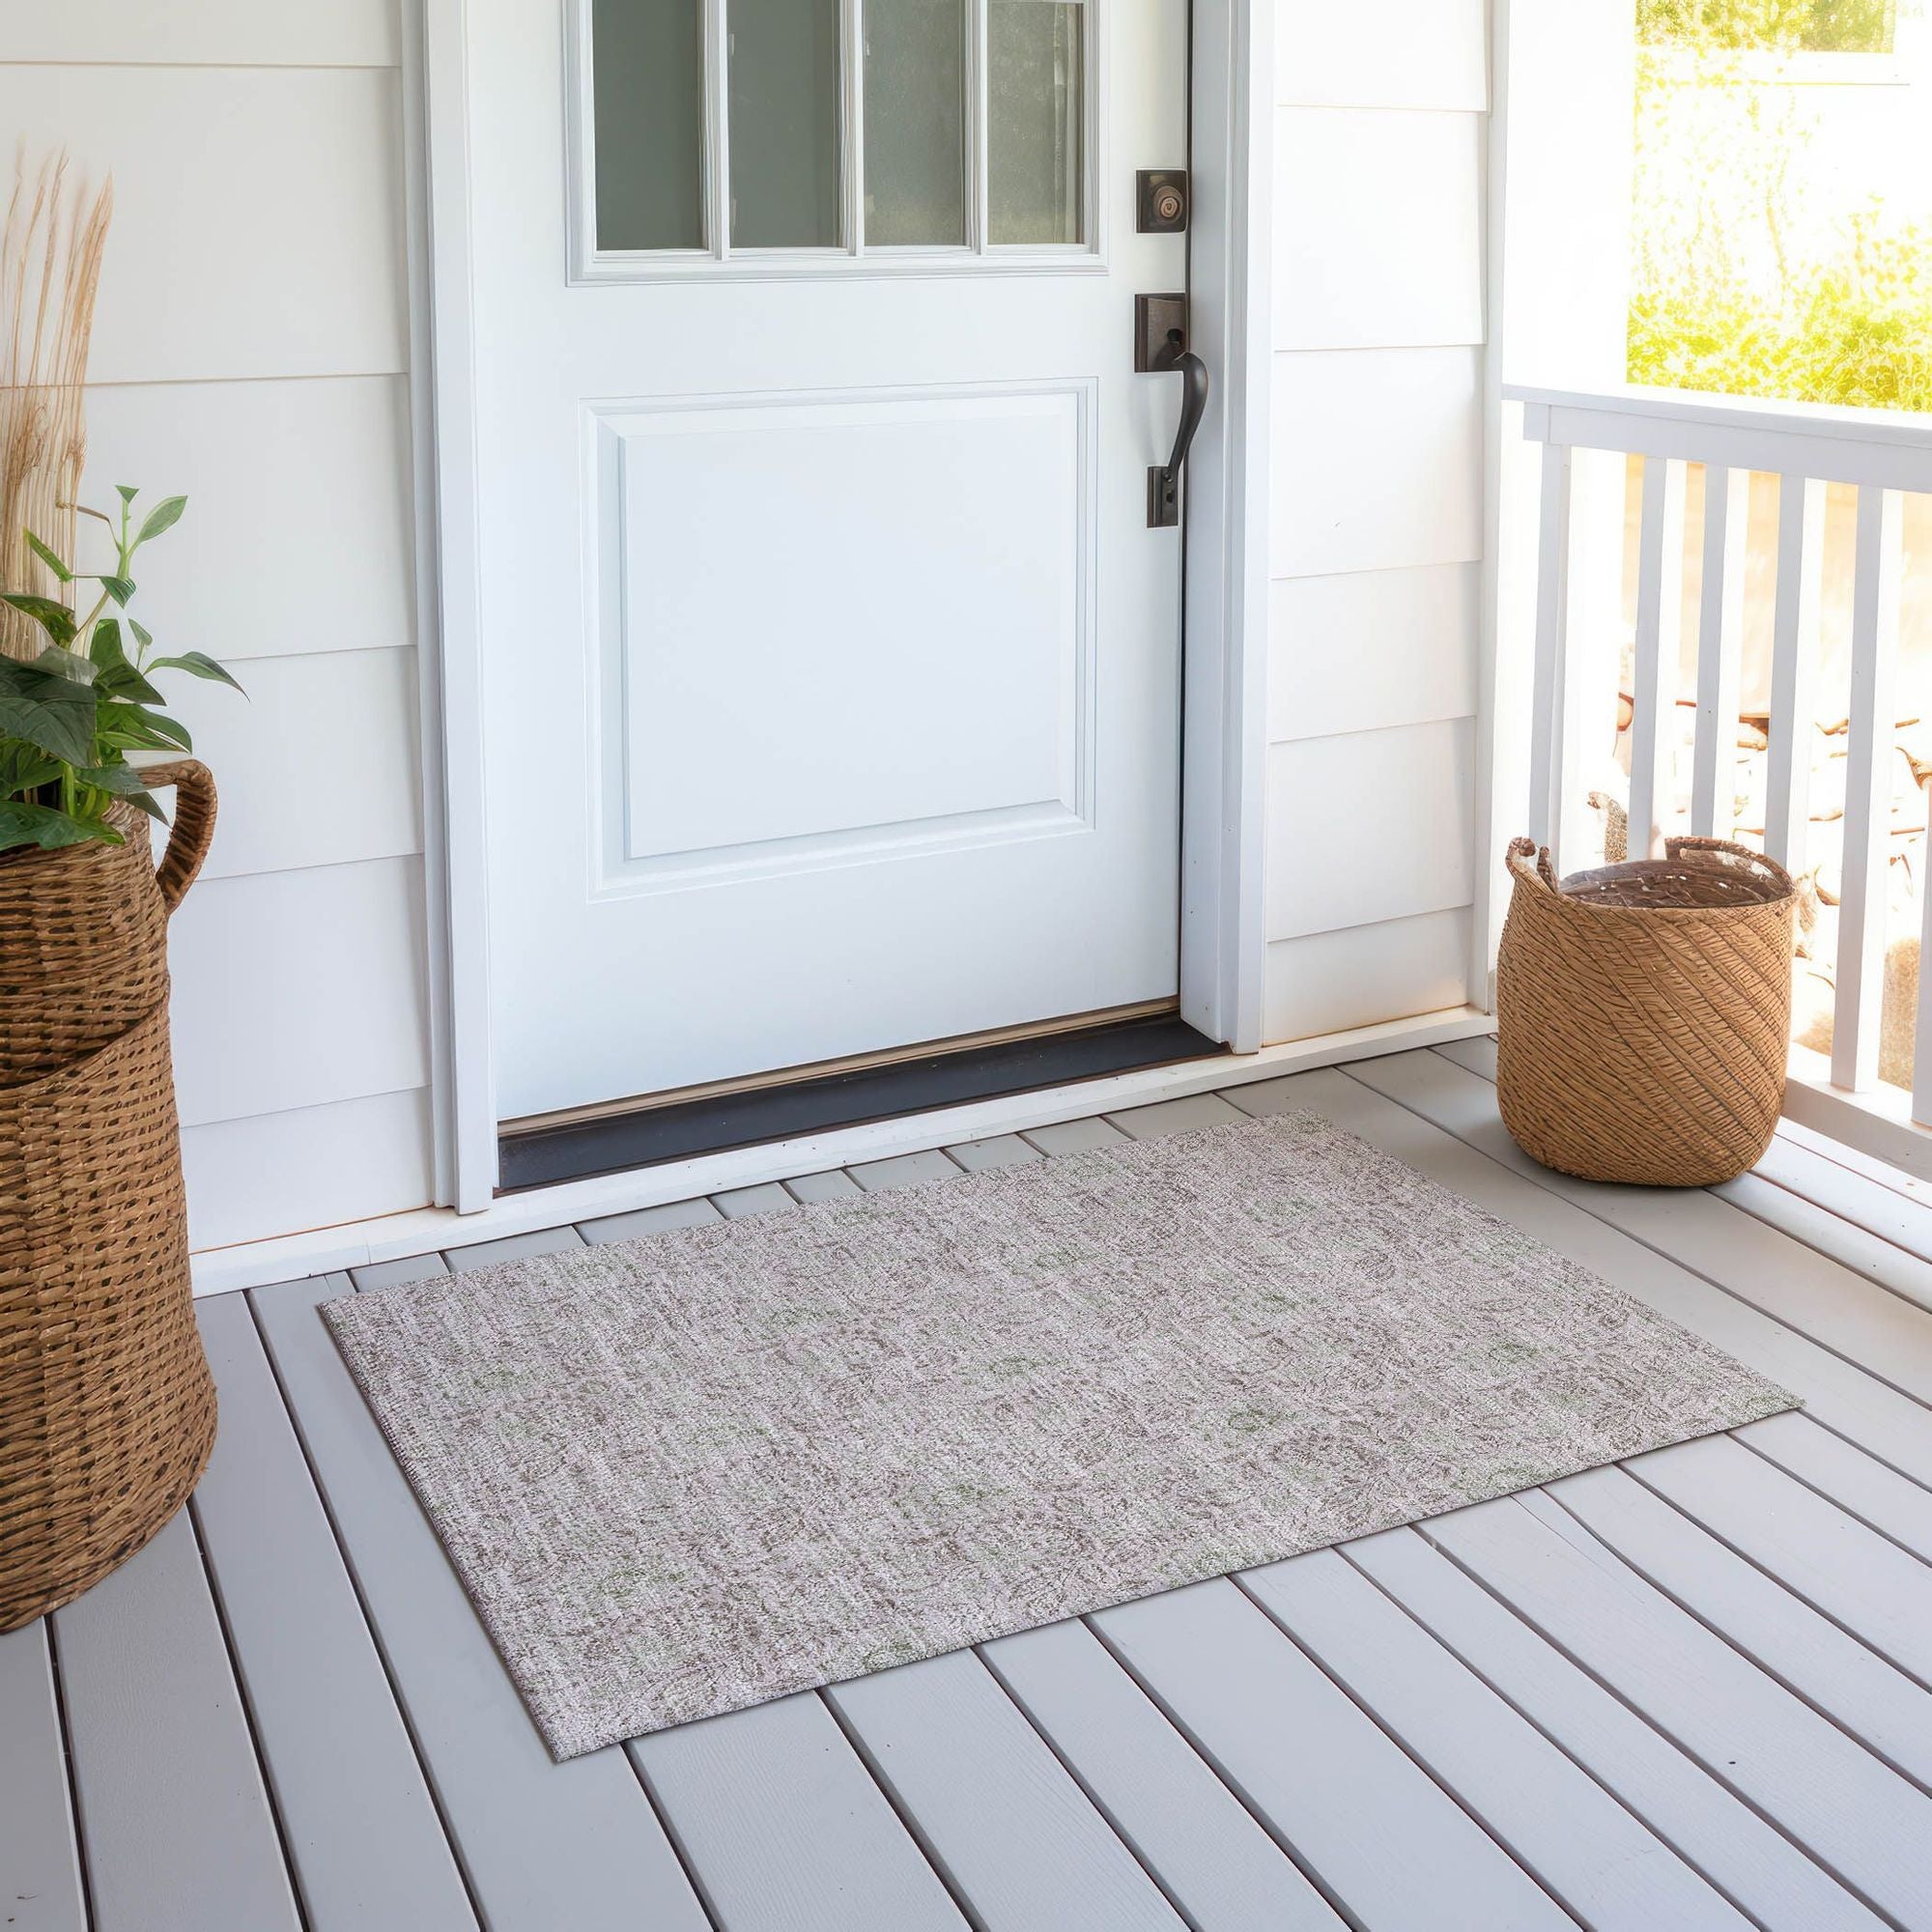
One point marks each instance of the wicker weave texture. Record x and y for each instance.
(106, 1405)
(1644, 1014)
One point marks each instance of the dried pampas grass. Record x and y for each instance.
(50, 251)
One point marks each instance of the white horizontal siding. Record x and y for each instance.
(298, 989)
(281, 1173)
(297, 537)
(1370, 826)
(1375, 491)
(1399, 53)
(1378, 460)
(315, 766)
(1327, 982)
(258, 215)
(1408, 275)
(250, 350)
(1416, 629)
(216, 33)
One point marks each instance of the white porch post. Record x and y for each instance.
(1560, 158)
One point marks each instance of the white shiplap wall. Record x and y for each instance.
(251, 349)
(1377, 496)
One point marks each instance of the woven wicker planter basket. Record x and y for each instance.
(1644, 1013)
(106, 1405)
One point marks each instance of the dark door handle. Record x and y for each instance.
(1164, 483)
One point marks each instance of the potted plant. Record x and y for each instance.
(106, 1405)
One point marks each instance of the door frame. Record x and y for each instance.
(1224, 700)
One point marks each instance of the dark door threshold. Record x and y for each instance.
(543, 1156)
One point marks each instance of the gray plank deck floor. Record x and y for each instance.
(1693, 1692)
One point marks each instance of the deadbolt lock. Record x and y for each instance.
(1162, 200)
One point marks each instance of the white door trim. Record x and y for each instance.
(1223, 947)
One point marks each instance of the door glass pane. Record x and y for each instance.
(784, 123)
(649, 102)
(1035, 92)
(915, 122)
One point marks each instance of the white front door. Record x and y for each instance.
(832, 668)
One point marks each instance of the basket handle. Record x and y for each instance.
(1543, 873)
(193, 828)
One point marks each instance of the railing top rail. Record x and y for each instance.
(1908, 427)
(1888, 448)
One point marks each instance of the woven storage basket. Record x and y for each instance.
(1644, 1013)
(106, 1405)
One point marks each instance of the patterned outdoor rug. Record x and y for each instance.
(692, 1472)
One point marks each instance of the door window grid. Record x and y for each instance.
(1046, 192)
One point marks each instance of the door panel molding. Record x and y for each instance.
(651, 577)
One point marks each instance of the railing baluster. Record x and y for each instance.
(1552, 624)
(1869, 752)
(1720, 626)
(1794, 651)
(1660, 604)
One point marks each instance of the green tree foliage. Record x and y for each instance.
(1747, 279)
(1822, 26)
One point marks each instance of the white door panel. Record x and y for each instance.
(832, 673)
(936, 707)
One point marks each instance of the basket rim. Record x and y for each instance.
(124, 818)
(1522, 862)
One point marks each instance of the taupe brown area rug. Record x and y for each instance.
(692, 1472)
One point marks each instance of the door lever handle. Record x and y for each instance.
(1164, 481)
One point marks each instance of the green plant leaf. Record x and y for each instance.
(165, 516)
(48, 557)
(123, 782)
(132, 727)
(43, 826)
(126, 492)
(144, 636)
(25, 768)
(57, 661)
(120, 588)
(55, 619)
(50, 713)
(198, 664)
(119, 678)
(118, 777)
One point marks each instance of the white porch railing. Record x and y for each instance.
(1745, 447)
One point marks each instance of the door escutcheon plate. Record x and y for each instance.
(1160, 331)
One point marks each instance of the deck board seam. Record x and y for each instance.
(1087, 1791)
(1402, 1744)
(464, 1875)
(1803, 1482)
(1743, 1556)
(76, 1822)
(1676, 1261)
(1738, 1207)
(1276, 1836)
(687, 1865)
(1653, 1723)
(948, 1880)
(270, 1794)
(1904, 1252)
(1917, 1481)
(1652, 1826)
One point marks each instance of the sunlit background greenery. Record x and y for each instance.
(1757, 269)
